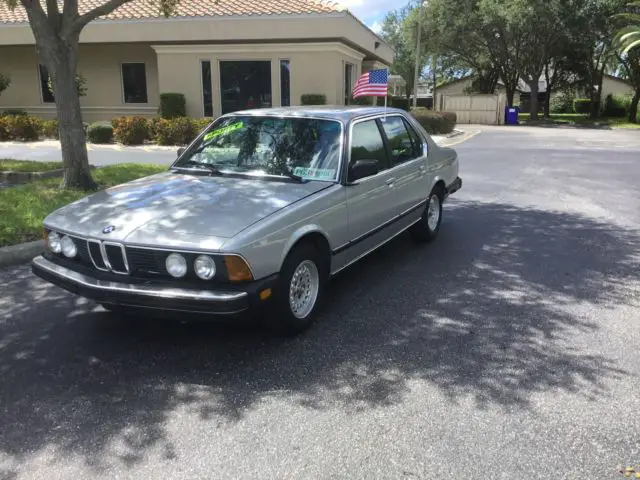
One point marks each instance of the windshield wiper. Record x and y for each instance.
(198, 166)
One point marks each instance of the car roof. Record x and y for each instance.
(329, 112)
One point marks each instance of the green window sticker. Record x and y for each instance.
(315, 173)
(223, 130)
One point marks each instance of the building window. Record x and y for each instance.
(245, 85)
(348, 82)
(134, 82)
(285, 83)
(207, 93)
(46, 93)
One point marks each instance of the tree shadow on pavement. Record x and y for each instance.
(488, 312)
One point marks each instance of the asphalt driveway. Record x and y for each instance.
(506, 349)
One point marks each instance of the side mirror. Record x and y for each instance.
(181, 151)
(362, 169)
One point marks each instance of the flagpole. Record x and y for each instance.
(386, 95)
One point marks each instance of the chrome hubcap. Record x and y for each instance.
(433, 213)
(303, 291)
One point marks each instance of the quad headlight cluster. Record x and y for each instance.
(203, 266)
(62, 244)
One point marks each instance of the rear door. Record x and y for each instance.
(408, 165)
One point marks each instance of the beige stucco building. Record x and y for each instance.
(222, 56)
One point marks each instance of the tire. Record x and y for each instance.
(427, 228)
(306, 268)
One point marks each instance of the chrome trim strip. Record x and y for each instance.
(91, 255)
(117, 287)
(124, 257)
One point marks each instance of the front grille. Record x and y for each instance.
(96, 255)
(115, 254)
(144, 261)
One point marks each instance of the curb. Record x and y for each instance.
(21, 253)
(26, 177)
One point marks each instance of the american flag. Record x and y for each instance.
(372, 83)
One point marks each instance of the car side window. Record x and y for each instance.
(401, 145)
(367, 144)
(418, 142)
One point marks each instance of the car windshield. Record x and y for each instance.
(303, 148)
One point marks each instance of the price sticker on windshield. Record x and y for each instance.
(223, 130)
(315, 173)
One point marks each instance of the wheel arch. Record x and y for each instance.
(312, 234)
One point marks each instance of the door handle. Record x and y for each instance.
(390, 182)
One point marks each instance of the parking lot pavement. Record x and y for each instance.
(505, 349)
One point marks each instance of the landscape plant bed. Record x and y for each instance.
(24, 207)
(15, 172)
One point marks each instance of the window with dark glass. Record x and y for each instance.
(47, 94)
(245, 84)
(285, 83)
(415, 138)
(134, 82)
(401, 145)
(207, 92)
(348, 82)
(367, 144)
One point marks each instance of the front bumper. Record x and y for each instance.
(146, 296)
(454, 187)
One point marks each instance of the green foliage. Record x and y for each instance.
(11, 165)
(5, 82)
(130, 130)
(80, 85)
(561, 103)
(100, 132)
(435, 123)
(50, 129)
(172, 105)
(581, 105)
(13, 112)
(177, 131)
(616, 106)
(313, 99)
(201, 123)
(627, 38)
(20, 127)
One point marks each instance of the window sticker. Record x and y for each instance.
(223, 130)
(315, 173)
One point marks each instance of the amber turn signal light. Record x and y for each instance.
(237, 269)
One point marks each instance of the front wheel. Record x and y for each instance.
(428, 226)
(299, 291)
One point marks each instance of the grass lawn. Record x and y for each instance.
(23, 208)
(581, 119)
(9, 165)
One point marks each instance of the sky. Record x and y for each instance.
(372, 12)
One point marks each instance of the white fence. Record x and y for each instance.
(479, 109)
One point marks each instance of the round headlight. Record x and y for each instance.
(68, 247)
(54, 242)
(176, 265)
(204, 267)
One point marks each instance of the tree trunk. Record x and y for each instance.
(511, 92)
(633, 109)
(533, 85)
(60, 58)
(596, 97)
(547, 102)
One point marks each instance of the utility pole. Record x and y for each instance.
(417, 72)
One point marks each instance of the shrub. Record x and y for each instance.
(201, 123)
(435, 122)
(561, 103)
(12, 112)
(130, 130)
(4, 135)
(313, 99)
(177, 131)
(400, 102)
(100, 132)
(364, 101)
(50, 129)
(617, 106)
(172, 105)
(21, 127)
(581, 105)
(5, 82)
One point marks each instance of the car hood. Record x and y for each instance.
(167, 206)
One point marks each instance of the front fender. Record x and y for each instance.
(298, 234)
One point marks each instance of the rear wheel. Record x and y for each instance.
(428, 226)
(300, 290)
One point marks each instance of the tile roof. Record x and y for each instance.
(145, 9)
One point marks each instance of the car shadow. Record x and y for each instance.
(488, 312)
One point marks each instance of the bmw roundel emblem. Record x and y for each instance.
(108, 229)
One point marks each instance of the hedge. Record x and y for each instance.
(178, 131)
(313, 99)
(100, 132)
(20, 127)
(617, 106)
(130, 130)
(50, 129)
(581, 105)
(172, 105)
(435, 123)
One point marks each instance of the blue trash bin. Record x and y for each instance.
(511, 115)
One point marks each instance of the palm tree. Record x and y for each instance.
(628, 37)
